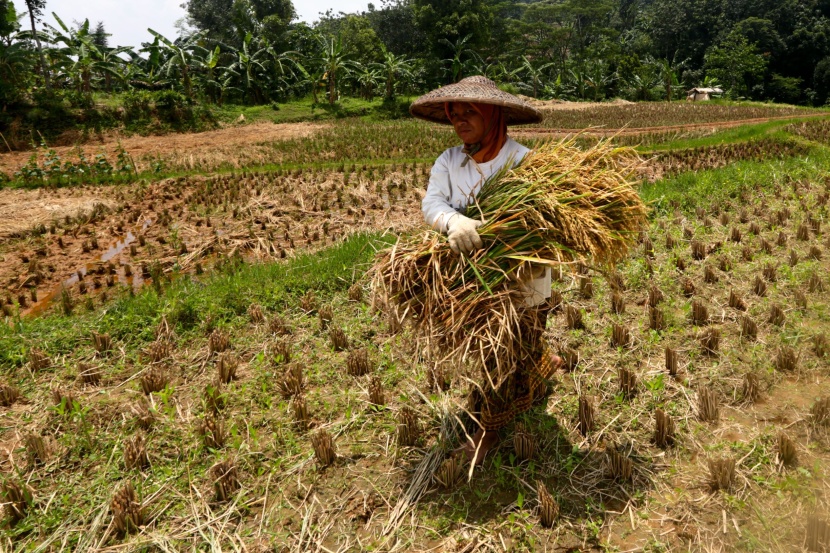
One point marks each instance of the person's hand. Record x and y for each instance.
(463, 235)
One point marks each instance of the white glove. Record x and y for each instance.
(462, 234)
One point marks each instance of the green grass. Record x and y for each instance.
(305, 110)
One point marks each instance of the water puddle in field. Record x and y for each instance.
(135, 280)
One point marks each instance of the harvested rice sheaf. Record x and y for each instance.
(561, 204)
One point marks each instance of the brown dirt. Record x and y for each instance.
(175, 145)
(22, 210)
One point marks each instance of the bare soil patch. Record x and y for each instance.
(217, 145)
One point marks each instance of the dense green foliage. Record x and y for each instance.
(254, 52)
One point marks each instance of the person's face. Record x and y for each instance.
(468, 123)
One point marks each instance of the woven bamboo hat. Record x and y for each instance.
(478, 89)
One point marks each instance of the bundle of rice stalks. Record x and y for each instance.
(620, 466)
(449, 472)
(560, 204)
(16, 501)
(37, 449)
(89, 374)
(291, 382)
(776, 315)
(620, 336)
(127, 512)
(751, 390)
(628, 382)
(821, 347)
(225, 478)
(300, 408)
(573, 318)
(663, 429)
(323, 445)
(154, 380)
(736, 301)
(212, 431)
(721, 473)
(8, 395)
(671, 361)
(158, 351)
(219, 341)
(255, 314)
(408, 428)
(570, 359)
(548, 507)
(338, 338)
(376, 395)
(356, 292)
(787, 454)
(524, 443)
(38, 360)
(749, 329)
(135, 453)
(325, 314)
(708, 406)
(786, 359)
(586, 416)
(820, 412)
(102, 342)
(617, 303)
(226, 366)
(357, 363)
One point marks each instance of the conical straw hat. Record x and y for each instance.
(478, 89)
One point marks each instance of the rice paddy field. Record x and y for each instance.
(191, 358)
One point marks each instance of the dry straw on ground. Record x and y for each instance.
(560, 204)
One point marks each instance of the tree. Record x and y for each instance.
(392, 69)
(461, 56)
(250, 65)
(36, 8)
(736, 63)
(334, 61)
(100, 36)
(534, 74)
(181, 56)
(446, 22)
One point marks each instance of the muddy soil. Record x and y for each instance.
(91, 240)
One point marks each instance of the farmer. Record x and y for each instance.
(480, 113)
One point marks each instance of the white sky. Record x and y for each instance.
(128, 21)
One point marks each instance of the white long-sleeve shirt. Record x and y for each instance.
(453, 187)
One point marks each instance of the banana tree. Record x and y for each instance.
(393, 69)
(250, 64)
(335, 63)
(533, 74)
(462, 57)
(182, 54)
(367, 78)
